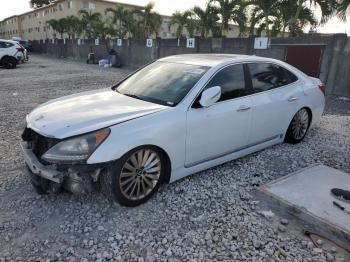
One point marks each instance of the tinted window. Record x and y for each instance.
(232, 82)
(9, 44)
(269, 76)
(5, 45)
(292, 78)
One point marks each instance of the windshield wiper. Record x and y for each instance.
(148, 99)
(133, 96)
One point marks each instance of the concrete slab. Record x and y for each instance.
(306, 194)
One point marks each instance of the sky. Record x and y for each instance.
(166, 7)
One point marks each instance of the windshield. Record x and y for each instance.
(162, 82)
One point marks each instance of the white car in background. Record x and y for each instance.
(177, 116)
(11, 53)
(25, 57)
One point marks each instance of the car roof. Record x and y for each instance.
(211, 60)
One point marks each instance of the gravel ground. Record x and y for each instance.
(208, 216)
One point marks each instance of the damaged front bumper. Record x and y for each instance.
(47, 172)
(74, 178)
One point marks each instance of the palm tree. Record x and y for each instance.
(231, 11)
(74, 26)
(285, 13)
(150, 21)
(122, 19)
(206, 20)
(267, 9)
(59, 26)
(182, 20)
(40, 3)
(255, 21)
(342, 8)
(88, 20)
(327, 7)
(53, 23)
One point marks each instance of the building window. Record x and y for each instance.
(70, 4)
(60, 7)
(88, 5)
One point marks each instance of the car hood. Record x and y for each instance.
(85, 112)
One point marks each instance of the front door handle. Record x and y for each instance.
(243, 108)
(292, 98)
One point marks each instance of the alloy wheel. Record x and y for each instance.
(300, 124)
(140, 174)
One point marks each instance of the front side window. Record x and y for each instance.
(267, 76)
(162, 82)
(232, 82)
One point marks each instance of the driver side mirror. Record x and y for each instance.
(210, 96)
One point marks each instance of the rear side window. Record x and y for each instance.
(232, 82)
(267, 76)
(5, 45)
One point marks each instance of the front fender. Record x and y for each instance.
(165, 130)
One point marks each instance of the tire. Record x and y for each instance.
(298, 127)
(134, 178)
(9, 62)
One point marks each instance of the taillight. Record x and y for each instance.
(322, 87)
(20, 49)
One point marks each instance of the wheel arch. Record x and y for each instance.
(6, 56)
(299, 108)
(309, 110)
(167, 177)
(168, 164)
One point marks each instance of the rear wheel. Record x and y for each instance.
(298, 127)
(9, 62)
(135, 177)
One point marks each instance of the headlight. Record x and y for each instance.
(76, 149)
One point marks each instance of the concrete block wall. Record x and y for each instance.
(335, 60)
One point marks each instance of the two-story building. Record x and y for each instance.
(32, 25)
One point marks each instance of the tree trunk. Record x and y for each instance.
(267, 26)
(294, 19)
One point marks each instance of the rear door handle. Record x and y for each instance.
(243, 108)
(292, 98)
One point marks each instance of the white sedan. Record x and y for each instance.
(177, 116)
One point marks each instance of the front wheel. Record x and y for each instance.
(9, 62)
(135, 177)
(298, 127)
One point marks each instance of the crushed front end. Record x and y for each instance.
(54, 164)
